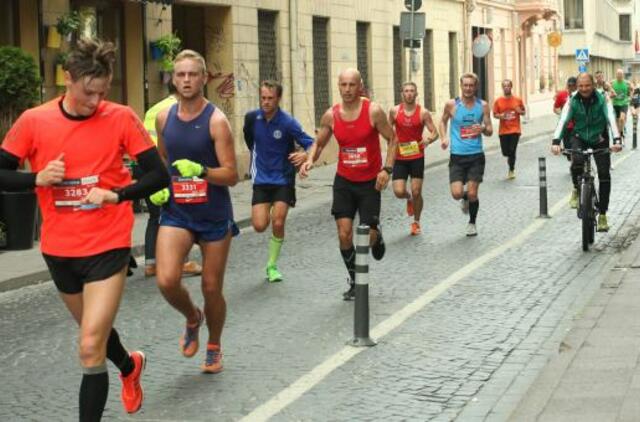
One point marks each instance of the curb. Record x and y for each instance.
(137, 251)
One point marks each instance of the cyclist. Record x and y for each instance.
(591, 115)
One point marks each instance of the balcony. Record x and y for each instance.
(531, 11)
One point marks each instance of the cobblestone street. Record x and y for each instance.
(469, 348)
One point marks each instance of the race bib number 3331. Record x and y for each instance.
(189, 190)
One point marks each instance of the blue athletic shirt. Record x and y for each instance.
(192, 141)
(463, 118)
(273, 142)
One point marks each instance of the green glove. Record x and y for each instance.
(160, 197)
(188, 168)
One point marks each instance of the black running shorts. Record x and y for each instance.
(268, 194)
(402, 169)
(349, 197)
(71, 274)
(463, 168)
(620, 109)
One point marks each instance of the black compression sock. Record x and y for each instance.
(349, 258)
(117, 354)
(93, 393)
(473, 211)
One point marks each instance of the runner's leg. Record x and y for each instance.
(278, 216)
(416, 193)
(474, 202)
(260, 216)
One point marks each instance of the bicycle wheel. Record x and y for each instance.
(587, 215)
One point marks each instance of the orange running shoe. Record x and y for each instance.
(415, 229)
(189, 341)
(213, 362)
(191, 268)
(132, 393)
(410, 207)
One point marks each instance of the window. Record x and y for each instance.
(8, 20)
(397, 65)
(427, 58)
(362, 46)
(453, 64)
(321, 98)
(625, 27)
(573, 14)
(267, 45)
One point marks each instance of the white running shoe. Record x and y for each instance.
(471, 230)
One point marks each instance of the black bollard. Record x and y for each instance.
(542, 168)
(361, 307)
(635, 131)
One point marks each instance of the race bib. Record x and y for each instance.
(189, 190)
(409, 148)
(620, 96)
(354, 157)
(468, 132)
(68, 194)
(510, 115)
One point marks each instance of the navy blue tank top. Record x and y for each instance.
(192, 141)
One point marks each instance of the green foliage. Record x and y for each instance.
(61, 57)
(68, 23)
(19, 85)
(170, 45)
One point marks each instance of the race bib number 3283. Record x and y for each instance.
(69, 193)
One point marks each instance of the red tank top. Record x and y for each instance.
(359, 159)
(409, 131)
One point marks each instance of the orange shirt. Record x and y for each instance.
(511, 122)
(93, 155)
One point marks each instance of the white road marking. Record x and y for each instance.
(312, 378)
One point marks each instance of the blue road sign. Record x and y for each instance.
(582, 55)
(582, 68)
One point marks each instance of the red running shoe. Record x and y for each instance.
(132, 393)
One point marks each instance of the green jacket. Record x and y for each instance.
(589, 122)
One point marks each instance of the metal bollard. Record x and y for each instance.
(635, 131)
(542, 168)
(361, 307)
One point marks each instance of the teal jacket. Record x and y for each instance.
(591, 119)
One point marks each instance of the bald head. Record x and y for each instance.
(619, 74)
(350, 85)
(585, 84)
(350, 74)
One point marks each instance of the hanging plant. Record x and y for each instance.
(68, 23)
(169, 46)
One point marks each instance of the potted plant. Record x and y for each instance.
(68, 23)
(61, 58)
(19, 90)
(168, 46)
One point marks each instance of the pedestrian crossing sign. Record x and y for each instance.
(582, 55)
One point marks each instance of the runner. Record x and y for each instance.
(75, 146)
(356, 123)
(635, 105)
(620, 95)
(153, 224)
(270, 134)
(508, 110)
(562, 97)
(195, 138)
(602, 86)
(408, 120)
(591, 115)
(470, 119)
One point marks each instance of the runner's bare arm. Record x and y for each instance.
(220, 129)
(323, 136)
(486, 120)
(161, 119)
(392, 117)
(427, 119)
(444, 121)
(381, 123)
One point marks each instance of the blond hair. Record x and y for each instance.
(192, 55)
(469, 75)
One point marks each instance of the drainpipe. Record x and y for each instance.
(145, 58)
(293, 41)
(468, 8)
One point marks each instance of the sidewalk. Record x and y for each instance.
(595, 376)
(23, 268)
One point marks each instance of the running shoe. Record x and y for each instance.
(190, 268)
(410, 211)
(415, 229)
(378, 249)
(132, 394)
(150, 270)
(273, 275)
(189, 341)
(603, 224)
(573, 201)
(213, 361)
(351, 293)
(511, 175)
(471, 230)
(464, 205)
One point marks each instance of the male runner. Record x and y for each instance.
(591, 115)
(409, 119)
(271, 134)
(470, 119)
(153, 224)
(620, 97)
(195, 139)
(508, 110)
(601, 85)
(356, 123)
(75, 145)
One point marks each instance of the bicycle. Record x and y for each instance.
(588, 209)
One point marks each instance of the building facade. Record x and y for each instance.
(305, 44)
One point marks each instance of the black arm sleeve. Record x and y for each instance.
(247, 129)
(10, 179)
(155, 177)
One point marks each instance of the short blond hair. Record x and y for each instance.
(469, 75)
(193, 55)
